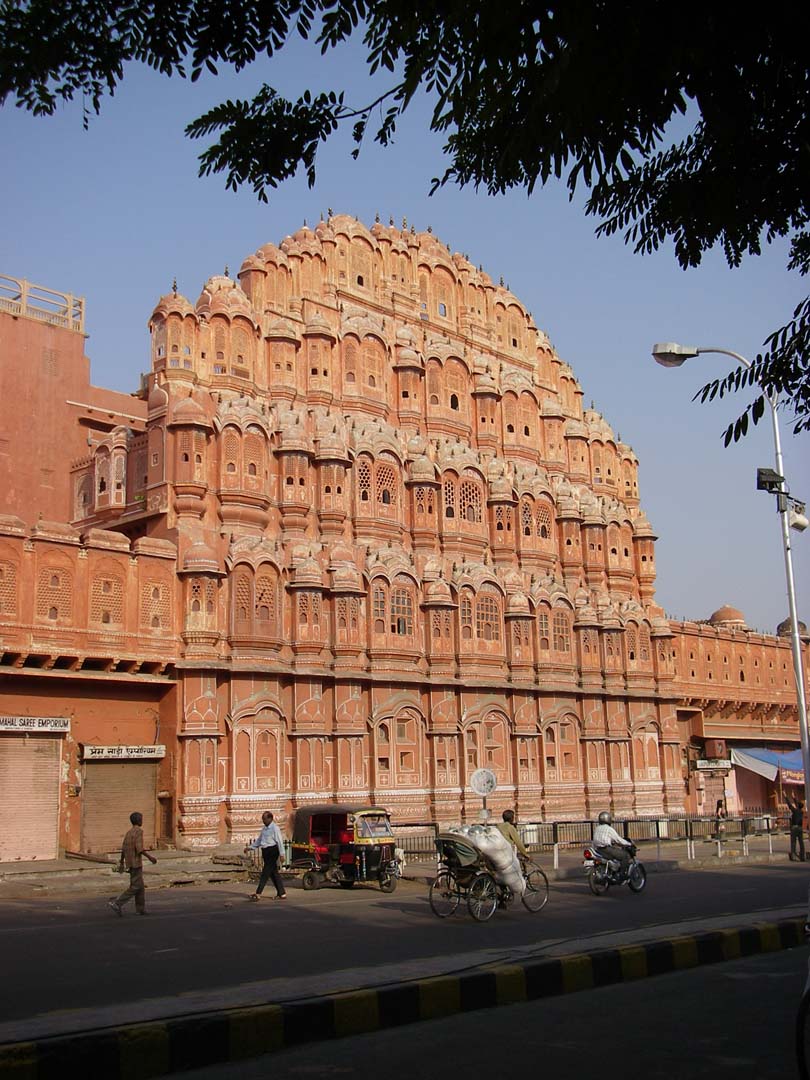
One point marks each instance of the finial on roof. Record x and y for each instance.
(501, 281)
(321, 215)
(226, 270)
(174, 286)
(329, 211)
(404, 224)
(305, 224)
(413, 230)
(430, 228)
(376, 217)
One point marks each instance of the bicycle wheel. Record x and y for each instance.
(535, 895)
(444, 897)
(482, 899)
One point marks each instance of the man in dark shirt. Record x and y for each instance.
(132, 852)
(796, 828)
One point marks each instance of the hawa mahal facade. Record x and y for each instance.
(354, 537)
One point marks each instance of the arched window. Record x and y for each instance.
(543, 629)
(402, 611)
(487, 618)
(379, 608)
(562, 632)
(526, 517)
(542, 519)
(631, 642)
(386, 485)
(469, 500)
(449, 498)
(266, 600)
(364, 479)
(466, 616)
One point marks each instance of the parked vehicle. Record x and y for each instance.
(344, 845)
(603, 872)
(465, 875)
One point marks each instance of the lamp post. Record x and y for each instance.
(670, 354)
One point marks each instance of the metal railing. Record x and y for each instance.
(419, 841)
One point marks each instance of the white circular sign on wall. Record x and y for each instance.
(483, 781)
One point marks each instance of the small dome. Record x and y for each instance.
(221, 295)
(517, 604)
(317, 324)
(422, 468)
(189, 411)
(158, 399)
(252, 262)
(728, 616)
(201, 559)
(438, 592)
(308, 572)
(269, 253)
(784, 629)
(172, 304)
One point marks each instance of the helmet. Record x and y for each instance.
(606, 818)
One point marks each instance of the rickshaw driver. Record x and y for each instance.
(507, 829)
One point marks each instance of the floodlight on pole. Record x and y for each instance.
(791, 515)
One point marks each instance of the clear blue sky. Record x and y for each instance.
(115, 213)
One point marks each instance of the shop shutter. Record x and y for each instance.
(29, 796)
(112, 791)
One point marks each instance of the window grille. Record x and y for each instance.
(470, 501)
(562, 633)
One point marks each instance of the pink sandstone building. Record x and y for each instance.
(354, 537)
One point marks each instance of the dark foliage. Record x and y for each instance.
(583, 90)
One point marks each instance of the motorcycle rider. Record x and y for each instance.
(609, 844)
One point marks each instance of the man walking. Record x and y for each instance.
(796, 829)
(132, 852)
(271, 843)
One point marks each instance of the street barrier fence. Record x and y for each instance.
(418, 840)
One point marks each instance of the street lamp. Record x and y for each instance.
(791, 514)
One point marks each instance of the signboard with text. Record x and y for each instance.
(121, 753)
(720, 764)
(35, 723)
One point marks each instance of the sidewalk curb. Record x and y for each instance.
(159, 1047)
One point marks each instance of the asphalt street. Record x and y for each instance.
(74, 954)
(729, 1020)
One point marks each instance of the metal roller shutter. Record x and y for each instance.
(29, 796)
(112, 791)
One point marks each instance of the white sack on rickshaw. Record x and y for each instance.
(501, 857)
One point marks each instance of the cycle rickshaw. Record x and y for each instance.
(344, 844)
(464, 875)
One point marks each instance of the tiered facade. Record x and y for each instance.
(403, 551)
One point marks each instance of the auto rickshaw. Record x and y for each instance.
(344, 844)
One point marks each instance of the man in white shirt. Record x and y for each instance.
(608, 842)
(271, 843)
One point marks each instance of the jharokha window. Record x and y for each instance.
(480, 617)
(562, 632)
(255, 602)
(392, 608)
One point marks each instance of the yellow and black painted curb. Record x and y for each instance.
(159, 1047)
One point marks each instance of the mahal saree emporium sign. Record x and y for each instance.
(35, 723)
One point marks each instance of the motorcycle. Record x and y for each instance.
(603, 872)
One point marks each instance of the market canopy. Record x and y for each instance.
(787, 765)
